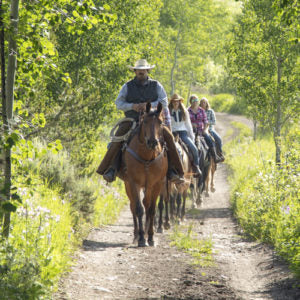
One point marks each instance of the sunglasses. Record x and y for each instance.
(194, 100)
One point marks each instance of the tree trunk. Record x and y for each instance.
(8, 114)
(4, 117)
(254, 129)
(174, 63)
(277, 129)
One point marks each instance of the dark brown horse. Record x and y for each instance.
(146, 167)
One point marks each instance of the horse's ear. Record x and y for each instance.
(148, 107)
(159, 108)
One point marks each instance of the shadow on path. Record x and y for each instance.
(89, 245)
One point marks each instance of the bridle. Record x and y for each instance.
(147, 163)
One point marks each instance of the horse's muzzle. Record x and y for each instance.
(152, 144)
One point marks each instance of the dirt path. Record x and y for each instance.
(110, 267)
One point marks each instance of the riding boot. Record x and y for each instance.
(216, 157)
(172, 175)
(108, 163)
(222, 157)
(109, 157)
(196, 170)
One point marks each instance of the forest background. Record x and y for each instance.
(63, 63)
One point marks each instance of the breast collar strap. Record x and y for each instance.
(143, 161)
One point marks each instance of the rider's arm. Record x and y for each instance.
(188, 125)
(161, 96)
(121, 100)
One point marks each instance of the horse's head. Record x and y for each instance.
(152, 126)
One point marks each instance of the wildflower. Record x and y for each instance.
(285, 209)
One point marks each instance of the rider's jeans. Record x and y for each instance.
(217, 138)
(192, 147)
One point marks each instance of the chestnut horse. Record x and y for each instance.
(146, 167)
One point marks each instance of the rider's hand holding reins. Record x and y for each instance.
(139, 107)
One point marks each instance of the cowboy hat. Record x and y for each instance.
(176, 97)
(141, 64)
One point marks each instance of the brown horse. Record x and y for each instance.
(146, 167)
(179, 192)
(199, 184)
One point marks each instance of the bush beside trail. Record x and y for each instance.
(265, 197)
(58, 207)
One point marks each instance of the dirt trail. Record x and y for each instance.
(110, 267)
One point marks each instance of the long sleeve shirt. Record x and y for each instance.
(123, 105)
(211, 118)
(180, 124)
(199, 119)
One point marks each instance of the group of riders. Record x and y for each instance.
(198, 120)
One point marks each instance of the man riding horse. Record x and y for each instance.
(132, 99)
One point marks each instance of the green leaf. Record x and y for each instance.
(8, 207)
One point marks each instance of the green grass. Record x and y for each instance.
(265, 198)
(201, 250)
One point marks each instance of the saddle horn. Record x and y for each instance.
(148, 107)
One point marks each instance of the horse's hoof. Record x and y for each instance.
(206, 194)
(142, 243)
(160, 230)
(212, 190)
(151, 243)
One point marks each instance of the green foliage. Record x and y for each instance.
(263, 60)
(192, 35)
(200, 250)
(227, 103)
(265, 198)
(39, 246)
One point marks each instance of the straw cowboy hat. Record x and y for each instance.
(176, 97)
(141, 64)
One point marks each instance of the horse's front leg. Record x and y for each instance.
(132, 198)
(140, 214)
(160, 208)
(151, 195)
(178, 201)
(207, 182)
(167, 219)
(212, 186)
(184, 196)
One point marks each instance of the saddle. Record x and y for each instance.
(201, 143)
(184, 147)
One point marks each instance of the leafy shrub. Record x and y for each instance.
(265, 197)
(39, 246)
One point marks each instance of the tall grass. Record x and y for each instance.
(265, 197)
